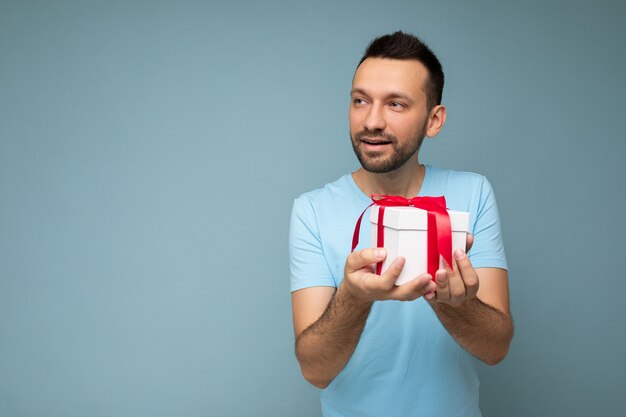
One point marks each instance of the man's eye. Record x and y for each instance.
(396, 105)
(358, 101)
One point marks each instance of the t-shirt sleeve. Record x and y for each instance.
(307, 263)
(488, 249)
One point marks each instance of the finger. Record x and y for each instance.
(362, 258)
(467, 272)
(457, 286)
(413, 289)
(387, 279)
(442, 290)
(469, 241)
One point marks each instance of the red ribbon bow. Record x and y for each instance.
(439, 230)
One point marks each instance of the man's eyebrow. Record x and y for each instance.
(388, 96)
(357, 91)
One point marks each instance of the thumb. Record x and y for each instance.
(469, 242)
(362, 258)
(390, 276)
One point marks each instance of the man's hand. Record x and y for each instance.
(328, 326)
(454, 287)
(365, 286)
(479, 321)
(457, 286)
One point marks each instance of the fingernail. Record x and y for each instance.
(459, 254)
(380, 253)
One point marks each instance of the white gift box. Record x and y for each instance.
(406, 231)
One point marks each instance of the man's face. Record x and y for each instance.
(388, 112)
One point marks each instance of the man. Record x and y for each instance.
(377, 349)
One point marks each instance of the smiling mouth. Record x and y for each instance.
(375, 141)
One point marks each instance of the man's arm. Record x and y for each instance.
(477, 316)
(326, 345)
(328, 326)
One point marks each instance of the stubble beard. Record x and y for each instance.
(382, 165)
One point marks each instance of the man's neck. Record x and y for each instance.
(405, 181)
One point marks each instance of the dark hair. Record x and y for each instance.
(404, 46)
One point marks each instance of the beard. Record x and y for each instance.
(379, 164)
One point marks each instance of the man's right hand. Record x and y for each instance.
(365, 286)
(328, 327)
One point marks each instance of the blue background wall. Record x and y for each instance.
(150, 153)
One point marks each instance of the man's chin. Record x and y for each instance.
(378, 167)
(381, 164)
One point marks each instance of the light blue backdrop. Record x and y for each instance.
(150, 152)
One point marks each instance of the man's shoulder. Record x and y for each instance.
(342, 188)
(337, 203)
(462, 189)
(455, 176)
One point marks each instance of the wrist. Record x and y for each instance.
(349, 295)
(461, 309)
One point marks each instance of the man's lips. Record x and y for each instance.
(375, 141)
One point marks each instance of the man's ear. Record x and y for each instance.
(436, 120)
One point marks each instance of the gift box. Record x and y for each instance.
(406, 234)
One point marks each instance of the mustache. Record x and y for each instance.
(373, 134)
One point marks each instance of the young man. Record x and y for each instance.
(377, 349)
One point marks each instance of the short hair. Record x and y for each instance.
(404, 46)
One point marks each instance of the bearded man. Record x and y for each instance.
(375, 348)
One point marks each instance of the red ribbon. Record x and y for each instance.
(439, 230)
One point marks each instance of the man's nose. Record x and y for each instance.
(375, 119)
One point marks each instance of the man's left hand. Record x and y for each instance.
(455, 287)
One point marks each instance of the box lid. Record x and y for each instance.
(412, 218)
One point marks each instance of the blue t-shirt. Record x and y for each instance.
(405, 363)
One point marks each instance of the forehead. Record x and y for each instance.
(382, 75)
